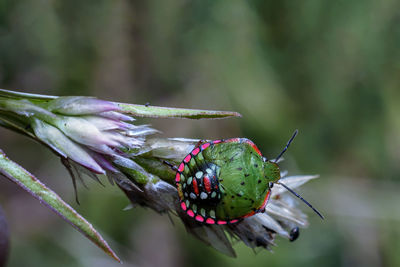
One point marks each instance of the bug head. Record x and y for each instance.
(271, 168)
(272, 171)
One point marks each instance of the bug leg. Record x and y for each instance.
(172, 166)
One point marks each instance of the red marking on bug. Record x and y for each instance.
(254, 147)
(204, 146)
(195, 151)
(265, 200)
(210, 221)
(217, 141)
(195, 187)
(261, 208)
(232, 140)
(187, 158)
(181, 167)
(222, 222)
(234, 221)
(178, 177)
(190, 213)
(183, 206)
(207, 183)
(249, 214)
(199, 218)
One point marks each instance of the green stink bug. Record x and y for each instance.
(224, 181)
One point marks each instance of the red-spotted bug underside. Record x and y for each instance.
(223, 181)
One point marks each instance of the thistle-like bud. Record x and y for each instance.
(94, 136)
(86, 130)
(83, 131)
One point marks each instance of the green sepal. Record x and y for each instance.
(163, 112)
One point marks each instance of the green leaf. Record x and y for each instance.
(163, 112)
(32, 185)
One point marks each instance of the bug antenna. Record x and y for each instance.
(302, 199)
(287, 145)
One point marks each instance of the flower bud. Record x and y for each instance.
(85, 133)
(80, 105)
(64, 146)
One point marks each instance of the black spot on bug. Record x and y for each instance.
(242, 183)
(259, 181)
(246, 175)
(233, 197)
(239, 195)
(252, 200)
(256, 165)
(232, 207)
(223, 203)
(240, 168)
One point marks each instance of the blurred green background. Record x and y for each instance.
(329, 68)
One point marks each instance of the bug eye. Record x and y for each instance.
(264, 159)
(271, 185)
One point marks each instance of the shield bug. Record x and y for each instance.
(224, 181)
